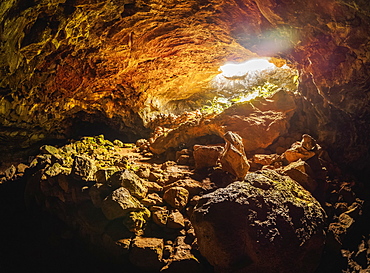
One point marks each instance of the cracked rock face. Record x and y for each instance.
(121, 62)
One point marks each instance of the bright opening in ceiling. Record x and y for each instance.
(248, 80)
(252, 66)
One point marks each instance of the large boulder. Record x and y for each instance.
(267, 223)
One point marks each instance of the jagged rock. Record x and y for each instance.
(175, 220)
(83, 168)
(98, 192)
(303, 149)
(177, 197)
(206, 156)
(301, 172)
(130, 181)
(146, 253)
(136, 220)
(264, 159)
(119, 203)
(233, 158)
(153, 186)
(152, 199)
(21, 168)
(182, 259)
(267, 223)
(160, 216)
(194, 187)
(103, 175)
(10, 172)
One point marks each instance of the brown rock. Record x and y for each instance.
(296, 152)
(152, 199)
(119, 203)
(160, 216)
(130, 181)
(264, 159)
(146, 253)
(175, 220)
(153, 186)
(206, 156)
(177, 197)
(83, 168)
(182, 259)
(193, 186)
(301, 172)
(233, 158)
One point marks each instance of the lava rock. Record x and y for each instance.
(267, 223)
(83, 168)
(130, 181)
(177, 197)
(146, 253)
(119, 203)
(233, 159)
(206, 156)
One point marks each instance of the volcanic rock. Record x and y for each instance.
(233, 158)
(130, 181)
(206, 156)
(267, 223)
(177, 197)
(119, 203)
(146, 253)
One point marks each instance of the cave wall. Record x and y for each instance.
(121, 61)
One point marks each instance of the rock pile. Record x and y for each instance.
(169, 215)
(129, 208)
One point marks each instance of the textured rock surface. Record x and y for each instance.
(258, 122)
(233, 158)
(117, 63)
(267, 223)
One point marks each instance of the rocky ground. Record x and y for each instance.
(118, 204)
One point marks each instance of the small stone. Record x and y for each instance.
(103, 175)
(21, 168)
(152, 199)
(146, 253)
(10, 172)
(175, 220)
(84, 168)
(160, 217)
(194, 187)
(177, 197)
(136, 220)
(118, 143)
(143, 173)
(153, 186)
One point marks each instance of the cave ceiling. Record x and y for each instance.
(123, 60)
